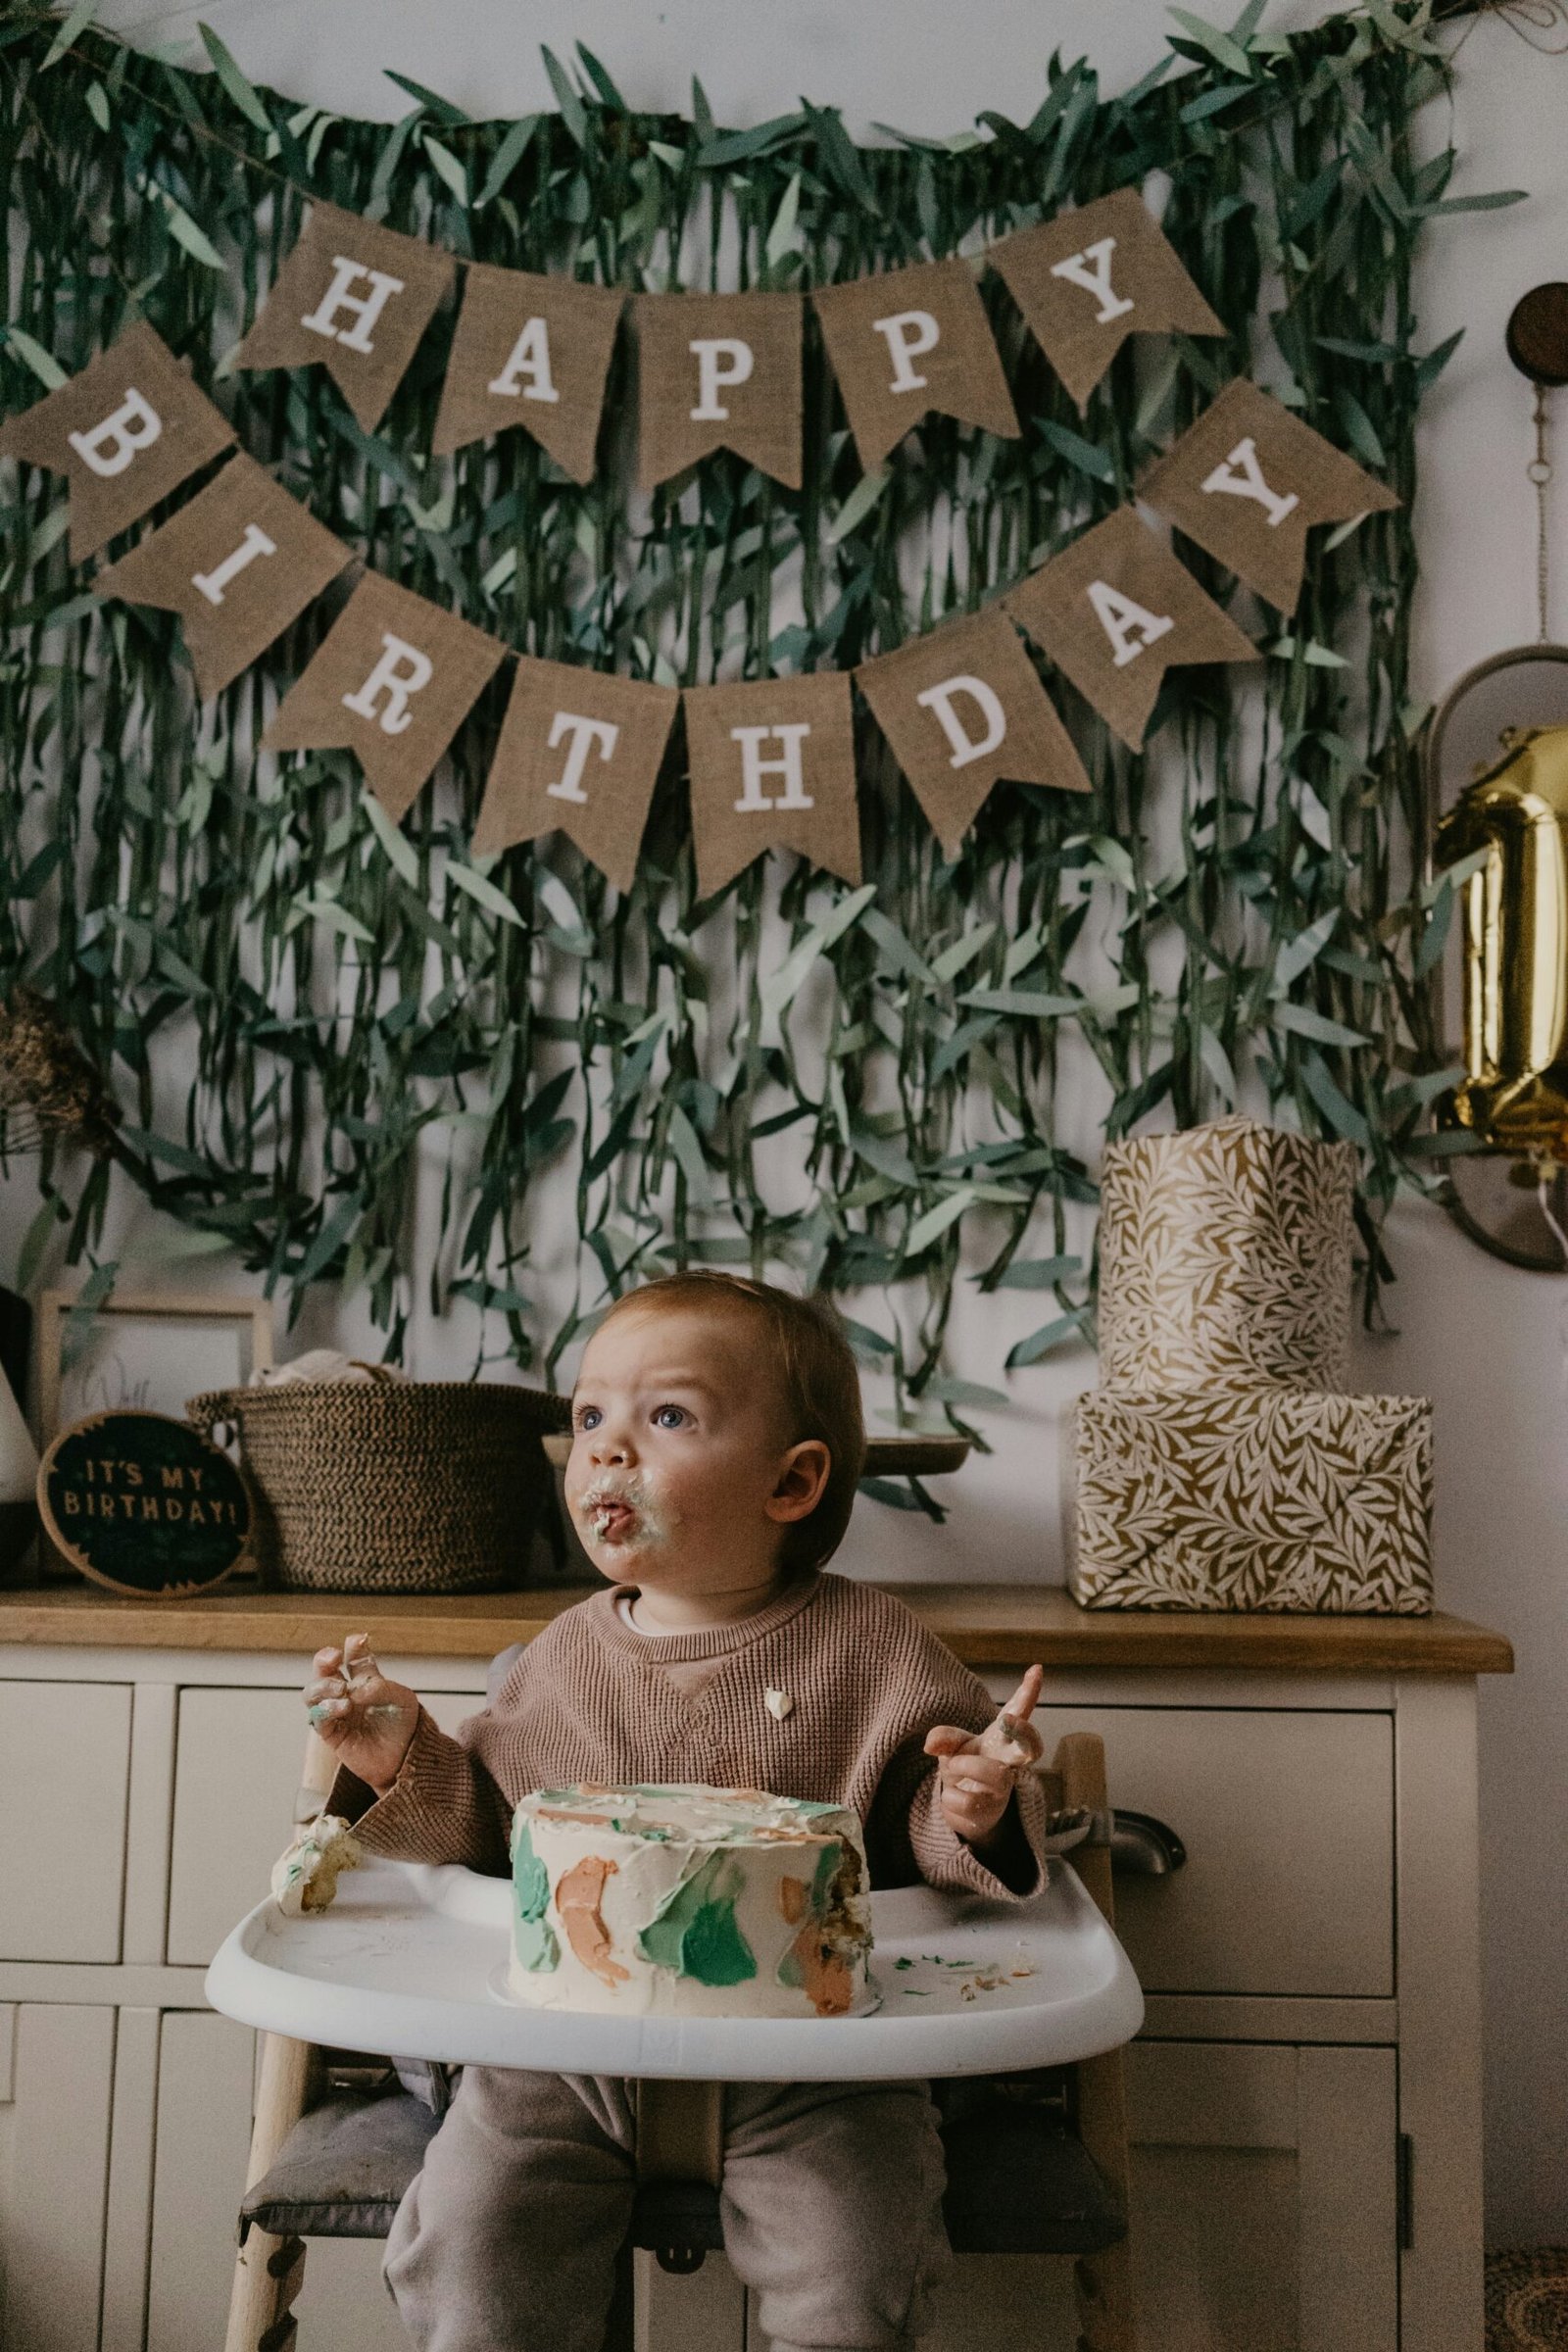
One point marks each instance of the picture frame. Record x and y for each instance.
(191, 1342)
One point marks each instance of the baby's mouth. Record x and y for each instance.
(613, 1521)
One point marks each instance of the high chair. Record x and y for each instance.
(1037, 2163)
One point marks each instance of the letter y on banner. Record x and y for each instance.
(393, 680)
(773, 766)
(356, 298)
(125, 432)
(580, 750)
(238, 565)
(1247, 481)
(1088, 279)
(1115, 610)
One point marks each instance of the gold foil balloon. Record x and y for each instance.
(1514, 909)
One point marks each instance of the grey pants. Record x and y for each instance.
(832, 2209)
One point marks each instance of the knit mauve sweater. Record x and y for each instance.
(589, 1700)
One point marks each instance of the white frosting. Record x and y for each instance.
(305, 1876)
(689, 1901)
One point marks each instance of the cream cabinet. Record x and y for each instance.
(1304, 2098)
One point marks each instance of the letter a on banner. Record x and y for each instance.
(125, 432)
(719, 371)
(393, 681)
(238, 565)
(908, 341)
(1088, 279)
(580, 750)
(530, 351)
(1248, 480)
(961, 708)
(355, 298)
(1115, 610)
(773, 766)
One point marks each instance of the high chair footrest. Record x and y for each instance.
(1018, 2181)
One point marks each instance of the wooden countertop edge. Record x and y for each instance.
(984, 1625)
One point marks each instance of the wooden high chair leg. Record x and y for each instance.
(1103, 2282)
(269, 2270)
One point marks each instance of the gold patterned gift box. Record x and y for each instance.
(1225, 1260)
(1268, 1499)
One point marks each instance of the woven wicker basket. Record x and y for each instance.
(397, 1486)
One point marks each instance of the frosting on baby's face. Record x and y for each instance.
(678, 1472)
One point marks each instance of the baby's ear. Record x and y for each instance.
(801, 1477)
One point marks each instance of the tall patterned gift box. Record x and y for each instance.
(1221, 1464)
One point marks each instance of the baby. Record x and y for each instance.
(716, 1445)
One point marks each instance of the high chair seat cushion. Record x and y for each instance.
(1018, 2181)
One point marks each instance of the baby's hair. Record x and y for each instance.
(816, 1374)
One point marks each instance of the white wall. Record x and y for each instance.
(1484, 1341)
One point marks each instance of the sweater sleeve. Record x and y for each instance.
(444, 1806)
(927, 1685)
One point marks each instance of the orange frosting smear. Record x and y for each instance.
(824, 1973)
(792, 1894)
(577, 1899)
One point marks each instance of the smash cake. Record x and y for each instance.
(689, 1901)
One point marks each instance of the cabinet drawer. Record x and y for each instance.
(69, 1745)
(237, 1776)
(1288, 1820)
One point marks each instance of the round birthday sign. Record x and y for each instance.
(144, 1504)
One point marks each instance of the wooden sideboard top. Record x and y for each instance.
(986, 1625)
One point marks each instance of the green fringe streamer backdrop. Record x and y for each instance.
(288, 995)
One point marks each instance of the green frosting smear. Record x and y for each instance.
(695, 1932)
(535, 1944)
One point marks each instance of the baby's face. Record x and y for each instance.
(679, 1467)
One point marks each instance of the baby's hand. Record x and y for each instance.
(366, 1721)
(979, 1771)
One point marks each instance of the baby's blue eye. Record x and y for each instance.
(669, 1416)
(590, 1417)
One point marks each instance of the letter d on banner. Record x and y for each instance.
(963, 709)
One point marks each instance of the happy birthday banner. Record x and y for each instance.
(772, 761)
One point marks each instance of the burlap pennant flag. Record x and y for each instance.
(719, 371)
(530, 351)
(238, 565)
(773, 766)
(1248, 480)
(355, 298)
(125, 432)
(1115, 610)
(961, 708)
(579, 751)
(1088, 279)
(908, 341)
(393, 681)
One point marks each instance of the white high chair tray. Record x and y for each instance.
(408, 1958)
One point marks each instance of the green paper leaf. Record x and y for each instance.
(1303, 1021)
(44, 366)
(448, 165)
(1220, 46)
(80, 16)
(1045, 1341)
(507, 156)
(483, 893)
(572, 110)
(243, 92)
(935, 1221)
